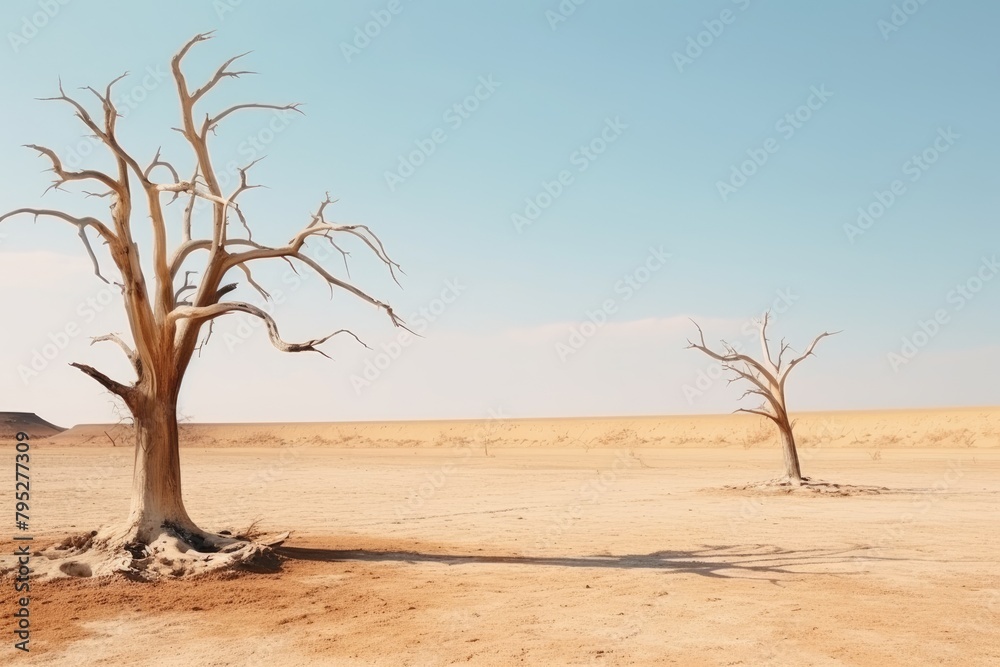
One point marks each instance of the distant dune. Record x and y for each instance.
(889, 429)
(12, 423)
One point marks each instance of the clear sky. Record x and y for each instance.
(640, 162)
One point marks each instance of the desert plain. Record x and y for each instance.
(616, 541)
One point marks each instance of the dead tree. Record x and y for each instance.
(168, 313)
(767, 379)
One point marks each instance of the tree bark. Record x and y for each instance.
(792, 470)
(156, 480)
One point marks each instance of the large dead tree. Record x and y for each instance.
(167, 315)
(767, 378)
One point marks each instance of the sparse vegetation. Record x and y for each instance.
(767, 379)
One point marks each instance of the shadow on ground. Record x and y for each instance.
(726, 562)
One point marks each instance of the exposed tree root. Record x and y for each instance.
(174, 552)
(808, 486)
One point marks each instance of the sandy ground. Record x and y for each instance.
(938, 428)
(554, 556)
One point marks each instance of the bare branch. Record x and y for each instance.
(732, 356)
(188, 213)
(157, 162)
(199, 146)
(760, 413)
(110, 112)
(114, 387)
(224, 290)
(243, 187)
(211, 123)
(133, 357)
(186, 249)
(208, 337)
(66, 176)
(784, 347)
(319, 227)
(222, 73)
(193, 189)
(764, 345)
(81, 224)
(218, 310)
(186, 287)
(336, 282)
(107, 134)
(808, 353)
(253, 283)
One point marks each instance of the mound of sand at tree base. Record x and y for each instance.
(870, 430)
(12, 423)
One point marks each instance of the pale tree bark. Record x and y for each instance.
(167, 314)
(766, 377)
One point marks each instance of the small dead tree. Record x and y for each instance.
(167, 314)
(767, 378)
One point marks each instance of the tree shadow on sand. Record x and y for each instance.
(761, 562)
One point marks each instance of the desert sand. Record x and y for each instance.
(938, 428)
(549, 542)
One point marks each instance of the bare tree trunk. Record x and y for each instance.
(156, 480)
(767, 379)
(166, 319)
(792, 470)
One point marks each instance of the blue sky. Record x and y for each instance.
(882, 91)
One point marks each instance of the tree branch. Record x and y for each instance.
(765, 347)
(211, 123)
(80, 223)
(107, 134)
(133, 357)
(186, 287)
(760, 413)
(732, 357)
(203, 314)
(114, 387)
(808, 353)
(66, 176)
(220, 74)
